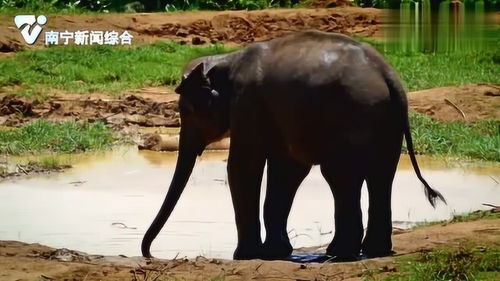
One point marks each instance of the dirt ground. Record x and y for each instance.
(463, 103)
(157, 107)
(21, 261)
(200, 27)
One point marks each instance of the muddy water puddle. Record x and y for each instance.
(104, 204)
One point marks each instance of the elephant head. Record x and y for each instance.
(204, 110)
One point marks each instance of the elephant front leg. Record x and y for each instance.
(245, 168)
(284, 176)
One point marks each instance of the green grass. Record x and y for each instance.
(49, 162)
(90, 69)
(465, 263)
(111, 69)
(477, 215)
(44, 136)
(479, 140)
(421, 71)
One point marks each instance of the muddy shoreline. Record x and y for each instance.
(22, 261)
(156, 107)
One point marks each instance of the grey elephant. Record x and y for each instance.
(308, 98)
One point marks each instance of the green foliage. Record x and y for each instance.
(476, 215)
(98, 68)
(217, 5)
(395, 4)
(112, 69)
(44, 136)
(56, 5)
(479, 140)
(422, 71)
(49, 162)
(145, 5)
(462, 264)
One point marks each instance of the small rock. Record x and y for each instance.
(182, 32)
(198, 41)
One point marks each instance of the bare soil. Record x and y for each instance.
(463, 103)
(157, 107)
(200, 27)
(21, 261)
(151, 107)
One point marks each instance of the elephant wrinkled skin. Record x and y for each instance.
(309, 98)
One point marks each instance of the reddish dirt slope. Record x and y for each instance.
(207, 26)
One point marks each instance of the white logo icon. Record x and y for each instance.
(30, 26)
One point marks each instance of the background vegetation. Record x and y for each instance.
(173, 5)
(140, 5)
(462, 264)
(479, 140)
(113, 69)
(44, 136)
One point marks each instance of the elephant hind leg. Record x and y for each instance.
(345, 175)
(383, 164)
(284, 176)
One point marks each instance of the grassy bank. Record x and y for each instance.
(474, 216)
(469, 262)
(114, 69)
(97, 68)
(422, 71)
(43, 136)
(479, 140)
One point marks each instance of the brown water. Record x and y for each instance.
(106, 202)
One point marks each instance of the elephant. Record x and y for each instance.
(307, 98)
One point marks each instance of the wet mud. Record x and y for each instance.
(125, 111)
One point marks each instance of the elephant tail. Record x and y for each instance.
(432, 194)
(398, 96)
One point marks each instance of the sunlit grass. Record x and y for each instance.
(421, 71)
(109, 69)
(44, 136)
(474, 216)
(104, 69)
(464, 263)
(479, 140)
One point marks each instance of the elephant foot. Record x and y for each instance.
(371, 249)
(366, 254)
(248, 252)
(349, 258)
(276, 250)
(343, 254)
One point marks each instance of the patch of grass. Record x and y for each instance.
(111, 69)
(476, 215)
(422, 71)
(44, 136)
(464, 263)
(479, 140)
(49, 162)
(108, 69)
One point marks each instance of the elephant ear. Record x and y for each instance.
(193, 80)
(196, 88)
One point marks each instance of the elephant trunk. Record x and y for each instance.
(189, 147)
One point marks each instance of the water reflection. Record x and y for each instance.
(441, 26)
(121, 191)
